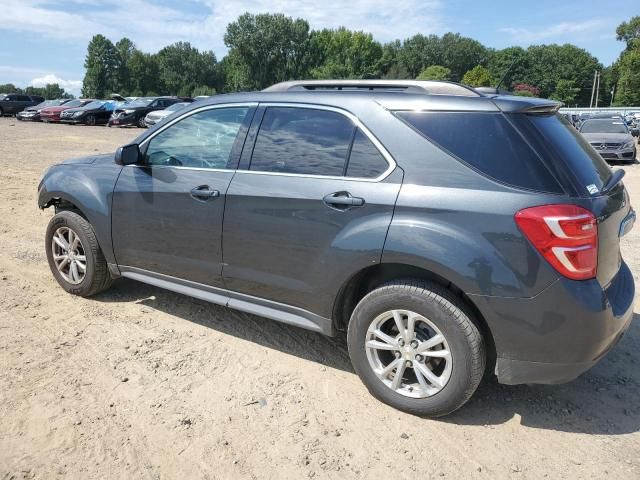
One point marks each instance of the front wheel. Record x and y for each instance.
(74, 256)
(91, 120)
(416, 348)
(141, 123)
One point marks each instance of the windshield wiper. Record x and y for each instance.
(614, 179)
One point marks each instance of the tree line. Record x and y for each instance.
(265, 49)
(50, 91)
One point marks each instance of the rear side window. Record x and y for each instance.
(488, 143)
(558, 141)
(365, 160)
(302, 140)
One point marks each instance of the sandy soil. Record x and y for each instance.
(143, 383)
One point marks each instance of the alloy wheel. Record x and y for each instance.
(408, 353)
(69, 255)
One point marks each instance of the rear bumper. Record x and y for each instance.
(560, 333)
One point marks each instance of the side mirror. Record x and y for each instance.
(128, 155)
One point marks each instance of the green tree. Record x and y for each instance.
(435, 72)
(203, 90)
(460, 54)
(511, 63)
(101, 68)
(269, 48)
(143, 74)
(418, 52)
(628, 93)
(125, 49)
(390, 65)
(182, 68)
(10, 88)
(478, 76)
(629, 32)
(343, 53)
(565, 91)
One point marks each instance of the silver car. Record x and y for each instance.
(611, 138)
(154, 117)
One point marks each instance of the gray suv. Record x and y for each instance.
(449, 233)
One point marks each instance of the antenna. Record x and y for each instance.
(506, 73)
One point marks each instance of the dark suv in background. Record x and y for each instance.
(359, 206)
(133, 113)
(12, 103)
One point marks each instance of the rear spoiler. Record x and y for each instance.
(515, 104)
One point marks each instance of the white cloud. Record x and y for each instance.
(152, 27)
(563, 30)
(71, 86)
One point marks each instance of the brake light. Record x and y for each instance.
(565, 235)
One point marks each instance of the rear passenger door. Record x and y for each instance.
(309, 206)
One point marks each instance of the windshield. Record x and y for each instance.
(176, 106)
(94, 104)
(140, 102)
(74, 103)
(603, 126)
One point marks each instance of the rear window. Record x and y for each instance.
(488, 143)
(558, 142)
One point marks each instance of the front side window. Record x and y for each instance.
(202, 140)
(303, 141)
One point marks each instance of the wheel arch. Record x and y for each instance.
(372, 277)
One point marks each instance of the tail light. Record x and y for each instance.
(565, 235)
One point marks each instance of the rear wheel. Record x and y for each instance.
(90, 120)
(141, 123)
(416, 348)
(74, 256)
(1, 112)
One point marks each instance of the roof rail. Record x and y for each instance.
(409, 86)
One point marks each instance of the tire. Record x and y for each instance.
(140, 123)
(96, 277)
(90, 120)
(1, 112)
(438, 312)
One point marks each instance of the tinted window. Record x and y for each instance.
(302, 140)
(488, 143)
(202, 140)
(24, 98)
(559, 143)
(365, 160)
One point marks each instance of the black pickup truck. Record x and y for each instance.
(12, 103)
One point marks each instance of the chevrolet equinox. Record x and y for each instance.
(446, 231)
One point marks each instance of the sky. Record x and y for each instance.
(45, 41)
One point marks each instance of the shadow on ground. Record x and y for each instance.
(604, 401)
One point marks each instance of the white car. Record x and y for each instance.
(154, 117)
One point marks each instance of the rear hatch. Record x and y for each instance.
(587, 179)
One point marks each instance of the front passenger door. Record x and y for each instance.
(167, 212)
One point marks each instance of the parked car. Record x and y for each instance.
(367, 212)
(154, 117)
(611, 138)
(33, 113)
(52, 114)
(96, 112)
(13, 103)
(133, 113)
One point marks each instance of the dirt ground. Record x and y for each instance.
(143, 383)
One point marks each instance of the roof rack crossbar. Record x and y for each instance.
(408, 86)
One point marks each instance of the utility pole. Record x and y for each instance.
(598, 90)
(593, 88)
(613, 93)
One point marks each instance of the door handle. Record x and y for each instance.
(342, 200)
(204, 193)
